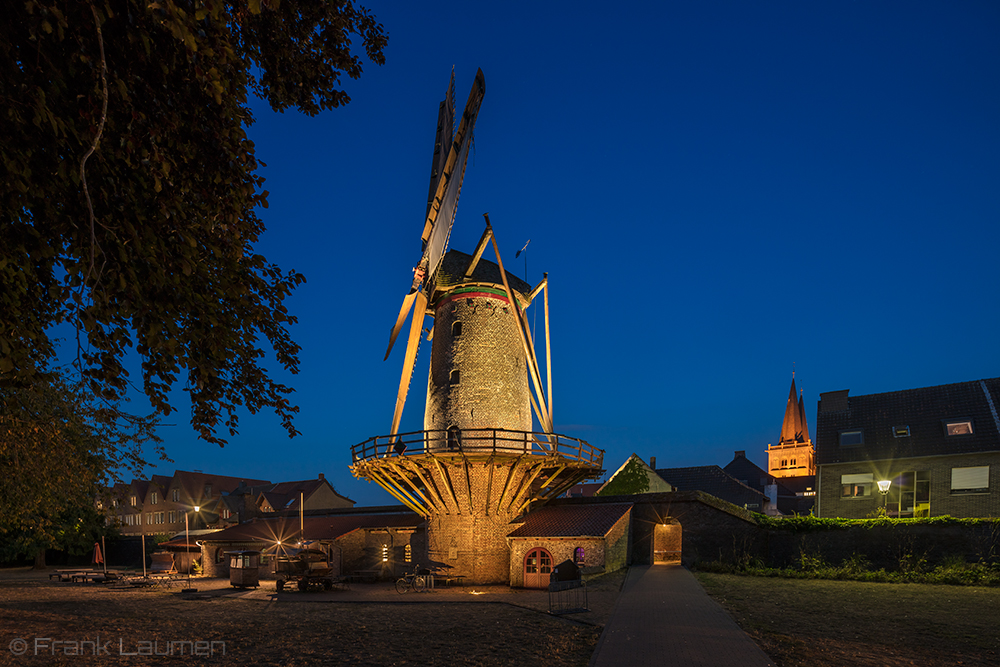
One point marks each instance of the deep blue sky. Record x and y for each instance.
(718, 190)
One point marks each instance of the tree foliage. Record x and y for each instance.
(130, 186)
(631, 479)
(59, 446)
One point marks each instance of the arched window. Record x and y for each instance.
(578, 556)
(454, 438)
(454, 377)
(456, 329)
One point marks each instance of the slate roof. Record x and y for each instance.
(923, 410)
(315, 527)
(572, 520)
(452, 273)
(714, 481)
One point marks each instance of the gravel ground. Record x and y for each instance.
(43, 622)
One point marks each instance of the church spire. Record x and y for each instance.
(792, 427)
(802, 420)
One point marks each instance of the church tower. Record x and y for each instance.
(794, 455)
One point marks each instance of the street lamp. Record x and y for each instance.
(187, 541)
(883, 488)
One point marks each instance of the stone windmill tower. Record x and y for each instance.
(477, 464)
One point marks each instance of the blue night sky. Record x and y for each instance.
(718, 191)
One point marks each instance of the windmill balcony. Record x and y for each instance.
(478, 442)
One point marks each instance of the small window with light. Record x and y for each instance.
(901, 431)
(958, 427)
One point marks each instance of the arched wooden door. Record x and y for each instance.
(537, 568)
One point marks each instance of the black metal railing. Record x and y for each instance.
(477, 441)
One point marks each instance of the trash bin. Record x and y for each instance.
(244, 568)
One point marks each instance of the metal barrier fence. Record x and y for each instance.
(477, 441)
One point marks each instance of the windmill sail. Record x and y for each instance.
(441, 212)
(447, 171)
(442, 141)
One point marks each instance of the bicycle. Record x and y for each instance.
(416, 580)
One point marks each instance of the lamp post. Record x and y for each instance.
(883, 488)
(187, 541)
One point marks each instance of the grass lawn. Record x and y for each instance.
(826, 623)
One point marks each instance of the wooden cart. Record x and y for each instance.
(309, 567)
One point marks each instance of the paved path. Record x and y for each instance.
(664, 617)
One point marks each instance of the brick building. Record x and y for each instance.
(938, 447)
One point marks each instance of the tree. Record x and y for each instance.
(129, 189)
(59, 445)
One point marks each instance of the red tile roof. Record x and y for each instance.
(572, 520)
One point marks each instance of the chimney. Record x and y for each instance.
(740, 454)
(321, 476)
(652, 462)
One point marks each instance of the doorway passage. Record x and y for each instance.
(667, 542)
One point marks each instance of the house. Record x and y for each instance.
(715, 481)
(159, 505)
(594, 537)
(790, 495)
(383, 541)
(634, 476)
(314, 494)
(935, 450)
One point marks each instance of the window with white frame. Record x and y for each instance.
(176, 495)
(152, 498)
(974, 479)
(856, 486)
(958, 427)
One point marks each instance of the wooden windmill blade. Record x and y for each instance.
(409, 360)
(441, 213)
(451, 153)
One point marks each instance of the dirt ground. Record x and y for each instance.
(51, 623)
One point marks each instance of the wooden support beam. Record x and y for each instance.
(468, 482)
(538, 288)
(527, 487)
(413, 502)
(530, 499)
(548, 350)
(525, 340)
(510, 476)
(388, 487)
(406, 478)
(447, 483)
(416, 325)
(428, 484)
(480, 247)
(489, 484)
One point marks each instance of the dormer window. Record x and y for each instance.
(152, 498)
(958, 427)
(176, 495)
(901, 431)
(850, 438)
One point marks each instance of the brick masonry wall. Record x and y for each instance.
(942, 500)
(560, 548)
(492, 387)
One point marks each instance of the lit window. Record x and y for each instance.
(407, 553)
(152, 498)
(133, 501)
(848, 438)
(963, 427)
(970, 480)
(149, 518)
(385, 553)
(901, 431)
(578, 555)
(856, 486)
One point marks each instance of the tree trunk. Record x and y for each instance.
(39, 560)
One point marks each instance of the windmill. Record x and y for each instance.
(477, 464)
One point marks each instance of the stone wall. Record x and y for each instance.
(477, 379)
